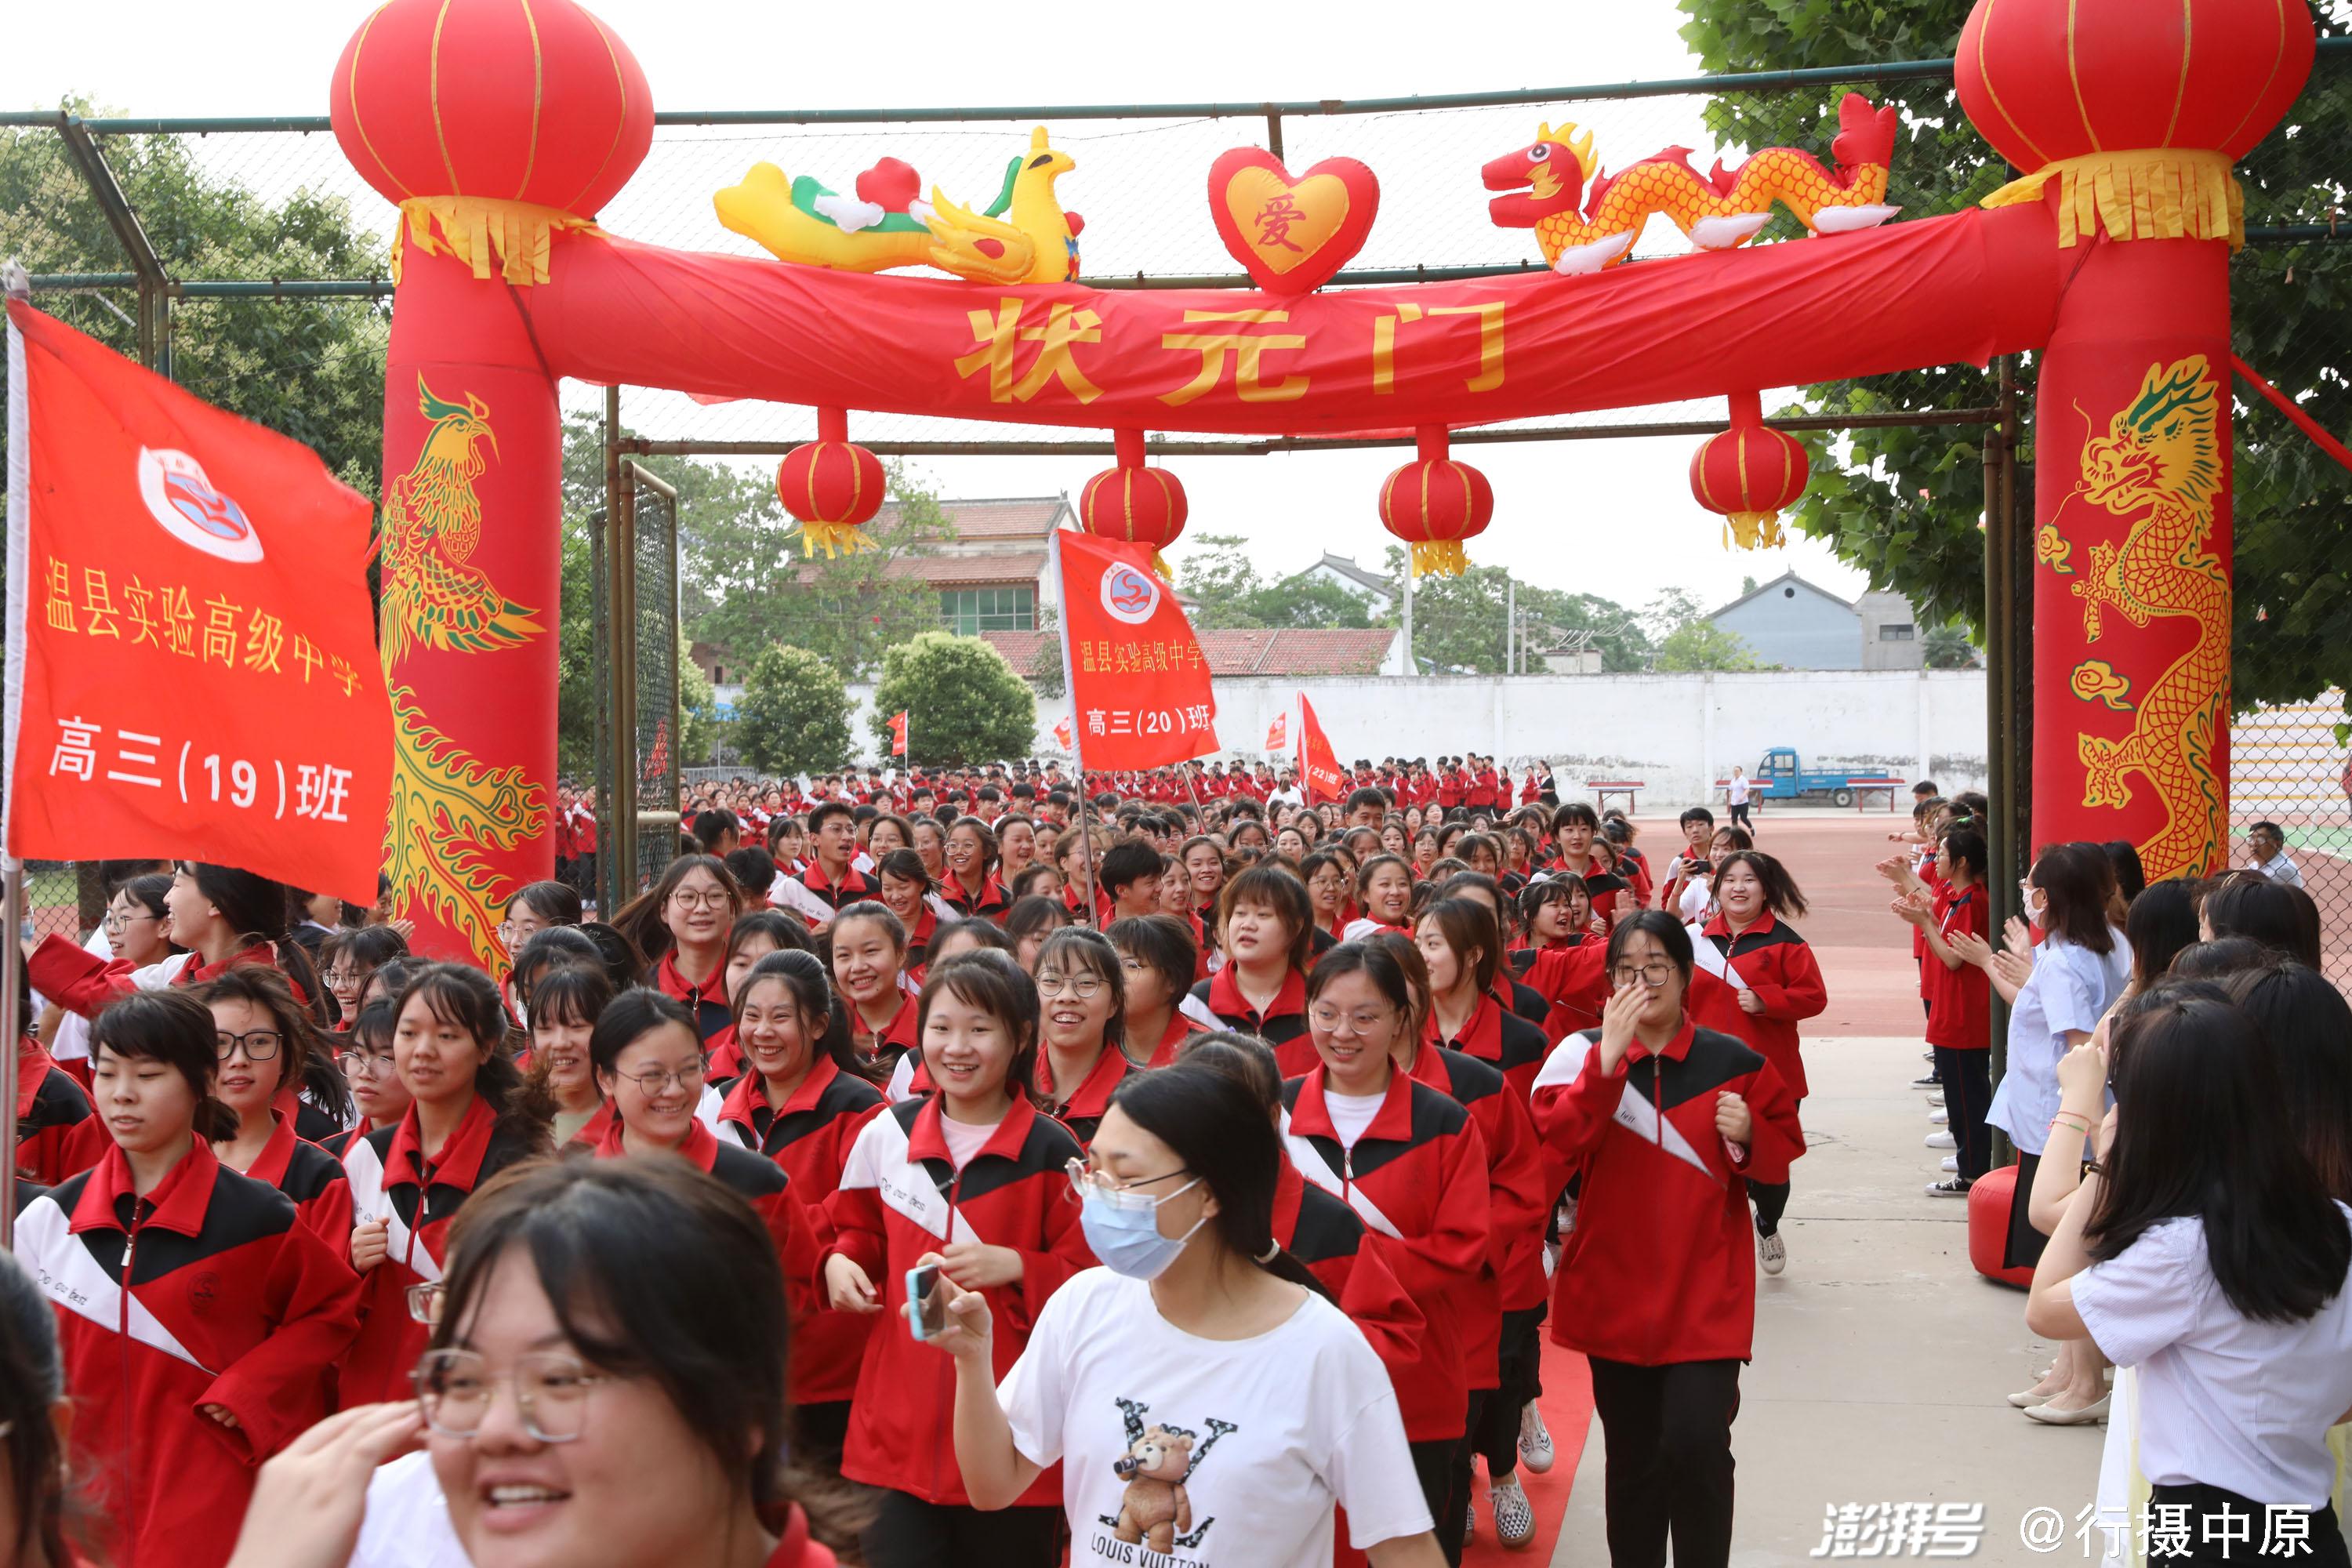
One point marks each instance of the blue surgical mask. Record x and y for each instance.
(1123, 1233)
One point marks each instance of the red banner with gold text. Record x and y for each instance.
(192, 663)
(1138, 684)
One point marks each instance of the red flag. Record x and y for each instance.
(188, 610)
(1318, 765)
(1138, 683)
(898, 733)
(1278, 734)
(1062, 737)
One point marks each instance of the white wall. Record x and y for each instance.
(1674, 732)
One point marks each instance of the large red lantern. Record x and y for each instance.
(834, 487)
(2138, 110)
(1134, 503)
(1433, 504)
(500, 122)
(1748, 475)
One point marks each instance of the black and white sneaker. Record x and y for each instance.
(1930, 1081)
(1957, 1187)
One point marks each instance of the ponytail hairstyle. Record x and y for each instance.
(1780, 894)
(1085, 948)
(2281, 918)
(575, 992)
(640, 920)
(173, 1027)
(1407, 953)
(1246, 1058)
(880, 913)
(464, 999)
(2076, 881)
(993, 982)
(1966, 846)
(307, 1065)
(255, 908)
(1561, 889)
(824, 1026)
(1217, 1125)
(369, 948)
(623, 966)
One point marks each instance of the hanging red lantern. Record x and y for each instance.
(500, 122)
(1133, 503)
(1748, 475)
(833, 487)
(1433, 504)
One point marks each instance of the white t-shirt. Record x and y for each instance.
(408, 1523)
(2278, 868)
(1736, 790)
(1265, 1435)
(2225, 1400)
(2070, 987)
(1351, 1114)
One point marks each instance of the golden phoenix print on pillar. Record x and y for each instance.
(448, 806)
(2160, 465)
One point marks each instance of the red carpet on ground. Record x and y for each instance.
(1567, 1406)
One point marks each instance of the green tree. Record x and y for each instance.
(698, 710)
(575, 656)
(1703, 645)
(1903, 504)
(308, 368)
(1948, 647)
(1459, 624)
(965, 704)
(1228, 594)
(793, 715)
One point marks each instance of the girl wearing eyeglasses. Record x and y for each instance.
(681, 925)
(1409, 1159)
(272, 1061)
(974, 1177)
(1203, 1398)
(605, 1390)
(471, 1114)
(1082, 1004)
(195, 1309)
(1668, 1122)
(377, 1093)
(348, 957)
(971, 885)
(648, 1063)
(219, 915)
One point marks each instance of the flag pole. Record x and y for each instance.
(1200, 816)
(1077, 725)
(17, 285)
(11, 1029)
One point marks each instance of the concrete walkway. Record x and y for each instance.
(1881, 1357)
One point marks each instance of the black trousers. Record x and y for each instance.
(1966, 1077)
(1463, 1472)
(1739, 817)
(2025, 1243)
(908, 1532)
(1495, 1437)
(2216, 1517)
(1665, 1432)
(1771, 1200)
(1432, 1464)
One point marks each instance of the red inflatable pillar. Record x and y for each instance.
(2128, 117)
(472, 569)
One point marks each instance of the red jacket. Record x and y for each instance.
(1282, 1025)
(81, 981)
(1661, 1265)
(884, 1047)
(1324, 1234)
(901, 1197)
(1959, 1002)
(706, 1002)
(989, 905)
(1499, 1038)
(1518, 1201)
(231, 1301)
(1181, 1027)
(810, 1137)
(854, 886)
(393, 1181)
(1777, 965)
(760, 1183)
(55, 1134)
(314, 1179)
(1083, 1111)
(1417, 1179)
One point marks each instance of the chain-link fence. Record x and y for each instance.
(267, 262)
(636, 652)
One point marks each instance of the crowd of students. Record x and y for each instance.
(1196, 1180)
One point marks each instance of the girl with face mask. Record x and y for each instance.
(1199, 1387)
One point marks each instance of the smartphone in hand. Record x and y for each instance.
(927, 1301)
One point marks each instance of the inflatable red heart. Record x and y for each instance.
(1291, 234)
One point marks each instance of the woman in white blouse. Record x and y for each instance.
(2204, 1251)
(1204, 1399)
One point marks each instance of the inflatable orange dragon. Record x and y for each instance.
(1722, 210)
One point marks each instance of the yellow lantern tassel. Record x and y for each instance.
(2160, 193)
(1159, 564)
(1754, 531)
(480, 230)
(1439, 558)
(836, 539)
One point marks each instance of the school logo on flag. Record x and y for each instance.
(180, 497)
(1278, 734)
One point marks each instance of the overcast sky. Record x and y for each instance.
(1609, 517)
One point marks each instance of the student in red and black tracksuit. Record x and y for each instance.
(869, 957)
(650, 1065)
(1409, 1161)
(196, 1313)
(55, 1134)
(1666, 1122)
(1267, 929)
(971, 887)
(1771, 982)
(1155, 958)
(470, 1116)
(802, 1102)
(1959, 1001)
(1516, 998)
(832, 838)
(1082, 1028)
(682, 923)
(906, 889)
(272, 1058)
(1458, 942)
(975, 1176)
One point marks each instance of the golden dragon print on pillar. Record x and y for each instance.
(447, 806)
(2159, 463)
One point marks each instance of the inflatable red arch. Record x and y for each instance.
(501, 131)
